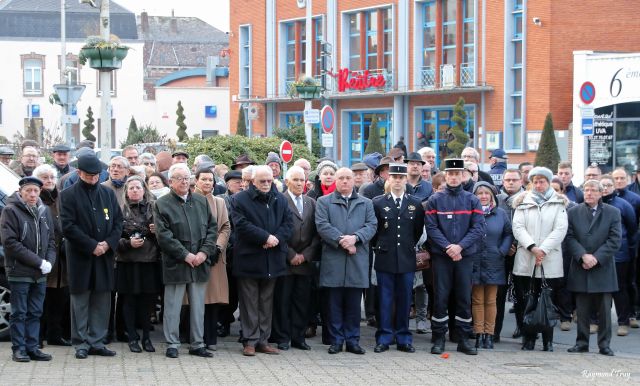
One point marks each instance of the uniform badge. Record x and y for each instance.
(449, 216)
(411, 207)
(106, 214)
(386, 208)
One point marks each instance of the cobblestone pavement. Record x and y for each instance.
(507, 365)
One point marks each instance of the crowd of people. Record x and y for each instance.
(95, 253)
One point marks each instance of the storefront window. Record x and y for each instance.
(360, 123)
(435, 126)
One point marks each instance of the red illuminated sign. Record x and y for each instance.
(357, 80)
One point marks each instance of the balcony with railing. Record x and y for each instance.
(448, 76)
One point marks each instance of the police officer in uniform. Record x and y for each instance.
(400, 222)
(455, 224)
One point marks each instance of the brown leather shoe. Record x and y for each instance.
(249, 351)
(266, 349)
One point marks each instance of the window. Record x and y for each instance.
(295, 60)
(374, 28)
(32, 73)
(467, 64)
(449, 31)
(112, 89)
(359, 124)
(514, 133)
(245, 61)
(72, 69)
(429, 44)
(436, 122)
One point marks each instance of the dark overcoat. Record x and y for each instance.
(599, 235)
(90, 214)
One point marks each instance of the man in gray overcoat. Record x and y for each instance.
(593, 238)
(346, 223)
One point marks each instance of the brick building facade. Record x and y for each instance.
(512, 62)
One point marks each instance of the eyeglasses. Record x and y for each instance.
(180, 179)
(473, 172)
(149, 163)
(116, 166)
(607, 185)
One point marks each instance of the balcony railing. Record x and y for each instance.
(467, 74)
(428, 77)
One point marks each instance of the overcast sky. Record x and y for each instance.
(214, 12)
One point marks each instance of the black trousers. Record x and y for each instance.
(135, 312)
(290, 308)
(588, 304)
(501, 297)
(521, 286)
(116, 320)
(622, 298)
(448, 274)
(211, 315)
(56, 322)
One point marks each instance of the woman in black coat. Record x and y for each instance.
(488, 264)
(137, 263)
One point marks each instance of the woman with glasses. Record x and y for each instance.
(158, 185)
(138, 279)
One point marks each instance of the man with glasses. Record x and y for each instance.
(148, 160)
(28, 161)
(187, 232)
(592, 172)
(91, 225)
(525, 168)
(470, 154)
(118, 173)
(262, 220)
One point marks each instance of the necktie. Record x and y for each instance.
(398, 202)
(593, 212)
(299, 204)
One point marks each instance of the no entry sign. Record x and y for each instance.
(286, 151)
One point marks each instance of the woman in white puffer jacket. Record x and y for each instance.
(539, 226)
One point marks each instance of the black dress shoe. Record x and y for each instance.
(438, 345)
(224, 331)
(355, 349)
(147, 346)
(38, 355)
(547, 347)
(20, 356)
(283, 346)
(201, 352)
(578, 348)
(134, 346)
(465, 348)
(604, 351)
(59, 342)
(102, 351)
(171, 352)
(496, 338)
(335, 348)
(381, 348)
(300, 345)
(82, 354)
(406, 348)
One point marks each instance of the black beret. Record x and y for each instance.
(232, 174)
(30, 181)
(180, 152)
(89, 163)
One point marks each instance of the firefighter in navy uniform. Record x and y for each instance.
(455, 224)
(400, 223)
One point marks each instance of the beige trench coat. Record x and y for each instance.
(218, 285)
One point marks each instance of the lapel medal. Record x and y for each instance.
(411, 207)
(386, 209)
(106, 214)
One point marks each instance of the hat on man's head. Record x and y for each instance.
(453, 164)
(89, 163)
(385, 161)
(395, 153)
(372, 160)
(242, 160)
(5, 150)
(498, 153)
(61, 148)
(399, 169)
(85, 143)
(180, 152)
(414, 156)
(273, 157)
(233, 174)
(30, 180)
(359, 167)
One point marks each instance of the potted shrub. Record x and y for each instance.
(103, 55)
(306, 88)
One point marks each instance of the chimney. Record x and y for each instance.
(174, 23)
(144, 21)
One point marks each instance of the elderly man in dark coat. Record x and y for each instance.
(292, 300)
(187, 232)
(262, 222)
(346, 223)
(92, 226)
(592, 240)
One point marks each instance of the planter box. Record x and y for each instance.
(308, 92)
(104, 59)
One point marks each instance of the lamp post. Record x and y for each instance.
(105, 89)
(308, 61)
